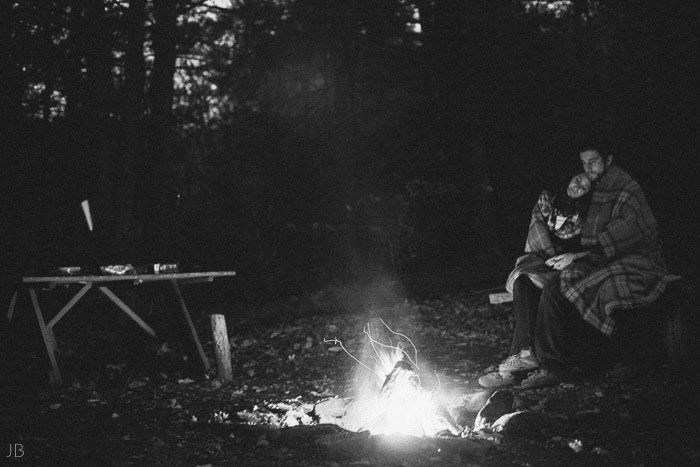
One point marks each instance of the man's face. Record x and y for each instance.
(594, 164)
(578, 186)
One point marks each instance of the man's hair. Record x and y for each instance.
(596, 141)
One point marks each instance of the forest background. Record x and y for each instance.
(307, 142)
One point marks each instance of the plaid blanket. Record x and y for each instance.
(538, 247)
(625, 269)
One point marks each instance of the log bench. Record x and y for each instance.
(671, 324)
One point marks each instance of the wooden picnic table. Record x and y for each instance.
(103, 283)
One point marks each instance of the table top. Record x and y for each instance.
(136, 278)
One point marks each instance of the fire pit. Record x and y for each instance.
(398, 413)
(391, 395)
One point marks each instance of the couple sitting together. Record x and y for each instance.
(592, 253)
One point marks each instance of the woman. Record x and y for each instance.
(553, 242)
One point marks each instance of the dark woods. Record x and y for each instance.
(309, 141)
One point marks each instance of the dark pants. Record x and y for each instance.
(526, 298)
(563, 339)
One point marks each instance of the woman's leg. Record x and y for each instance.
(526, 297)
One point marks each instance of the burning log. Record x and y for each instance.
(402, 387)
(402, 374)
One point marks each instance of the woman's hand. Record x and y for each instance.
(559, 262)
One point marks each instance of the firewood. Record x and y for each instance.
(499, 404)
(401, 374)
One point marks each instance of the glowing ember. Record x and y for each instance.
(391, 397)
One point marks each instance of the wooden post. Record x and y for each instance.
(222, 348)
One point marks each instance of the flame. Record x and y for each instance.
(391, 398)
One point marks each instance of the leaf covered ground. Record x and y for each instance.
(131, 401)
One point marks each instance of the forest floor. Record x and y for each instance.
(129, 401)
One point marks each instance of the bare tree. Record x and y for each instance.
(126, 231)
(157, 220)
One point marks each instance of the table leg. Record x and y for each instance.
(125, 308)
(11, 309)
(188, 320)
(69, 305)
(49, 339)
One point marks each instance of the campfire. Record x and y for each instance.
(394, 394)
(396, 413)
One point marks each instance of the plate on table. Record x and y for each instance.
(117, 269)
(69, 270)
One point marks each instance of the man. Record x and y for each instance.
(621, 268)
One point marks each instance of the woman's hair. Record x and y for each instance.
(568, 205)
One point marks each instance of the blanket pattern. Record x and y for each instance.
(538, 248)
(625, 270)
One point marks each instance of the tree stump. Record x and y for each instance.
(682, 324)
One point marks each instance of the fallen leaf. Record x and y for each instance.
(576, 445)
(262, 443)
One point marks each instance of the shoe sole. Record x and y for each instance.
(496, 384)
(518, 370)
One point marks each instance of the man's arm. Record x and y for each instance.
(561, 261)
(631, 224)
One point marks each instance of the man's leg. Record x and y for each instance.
(562, 338)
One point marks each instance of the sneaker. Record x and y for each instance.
(522, 361)
(496, 379)
(540, 379)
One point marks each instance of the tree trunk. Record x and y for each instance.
(459, 64)
(10, 72)
(157, 220)
(10, 146)
(134, 141)
(96, 164)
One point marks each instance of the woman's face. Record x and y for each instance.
(578, 186)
